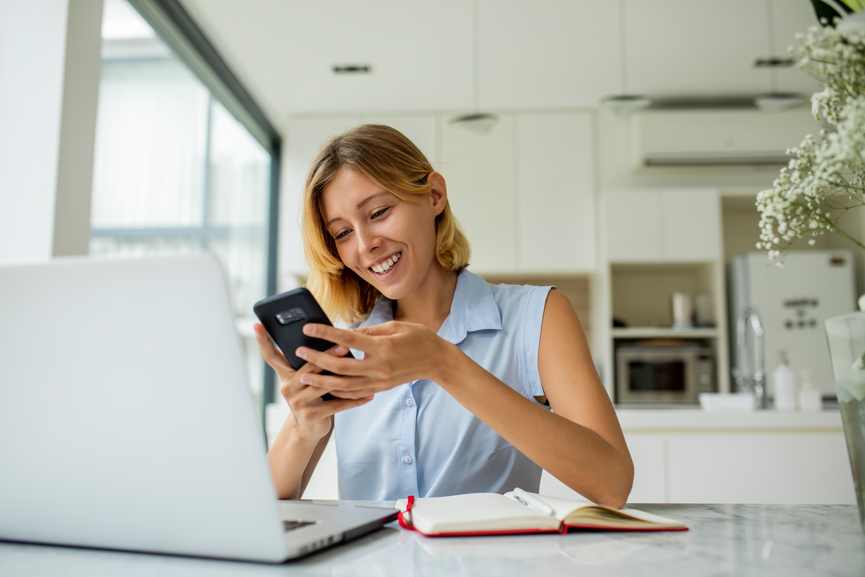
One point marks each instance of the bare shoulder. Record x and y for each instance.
(561, 328)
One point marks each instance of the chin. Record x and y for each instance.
(392, 293)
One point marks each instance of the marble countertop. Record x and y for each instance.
(699, 420)
(749, 540)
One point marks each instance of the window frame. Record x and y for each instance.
(173, 24)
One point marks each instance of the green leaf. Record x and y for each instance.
(823, 10)
(851, 6)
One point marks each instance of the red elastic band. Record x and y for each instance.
(401, 519)
(402, 522)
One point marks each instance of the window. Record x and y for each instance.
(175, 172)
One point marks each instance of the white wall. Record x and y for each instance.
(49, 80)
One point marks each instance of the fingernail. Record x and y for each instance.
(341, 350)
(308, 329)
(369, 398)
(301, 353)
(306, 379)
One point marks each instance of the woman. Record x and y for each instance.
(453, 381)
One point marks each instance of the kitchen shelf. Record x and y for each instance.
(664, 333)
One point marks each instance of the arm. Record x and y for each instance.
(580, 442)
(293, 460)
(304, 435)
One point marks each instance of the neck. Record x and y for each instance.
(430, 303)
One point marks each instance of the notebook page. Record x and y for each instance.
(562, 508)
(476, 512)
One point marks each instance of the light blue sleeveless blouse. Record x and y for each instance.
(416, 439)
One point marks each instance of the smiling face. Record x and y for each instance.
(386, 241)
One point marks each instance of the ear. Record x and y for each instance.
(438, 192)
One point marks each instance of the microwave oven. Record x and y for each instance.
(664, 374)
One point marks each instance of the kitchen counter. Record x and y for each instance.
(753, 540)
(640, 419)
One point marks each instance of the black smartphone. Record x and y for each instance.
(284, 315)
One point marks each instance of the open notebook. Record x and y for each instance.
(494, 514)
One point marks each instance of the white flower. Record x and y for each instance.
(826, 176)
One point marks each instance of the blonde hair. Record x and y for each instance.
(393, 162)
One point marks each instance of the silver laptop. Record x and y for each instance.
(126, 421)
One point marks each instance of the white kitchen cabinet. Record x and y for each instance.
(691, 225)
(481, 184)
(648, 452)
(632, 230)
(789, 467)
(681, 47)
(556, 194)
(662, 225)
(690, 456)
(305, 137)
(420, 54)
(547, 53)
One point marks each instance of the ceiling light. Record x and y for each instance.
(477, 122)
(624, 105)
(777, 101)
(480, 123)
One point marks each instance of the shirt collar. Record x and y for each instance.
(474, 308)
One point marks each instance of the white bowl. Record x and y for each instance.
(728, 401)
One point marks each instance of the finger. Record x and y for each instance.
(348, 338)
(339, 405)
(338, 365)
(334, 351)
(328, 383)
(356, 394)
(271, 355)
(384, 329)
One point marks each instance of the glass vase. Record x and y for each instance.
(846, 336)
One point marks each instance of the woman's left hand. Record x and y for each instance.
(394, 353)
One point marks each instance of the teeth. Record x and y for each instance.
(386, 265)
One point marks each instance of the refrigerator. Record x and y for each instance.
(791, 301)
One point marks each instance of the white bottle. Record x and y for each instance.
(784, 379)
(810, 398)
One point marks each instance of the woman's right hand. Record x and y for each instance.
(313, 417)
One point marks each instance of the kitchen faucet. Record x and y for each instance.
(745, 380)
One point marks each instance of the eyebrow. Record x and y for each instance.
(359, 205)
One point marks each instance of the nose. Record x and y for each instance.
(367, 239)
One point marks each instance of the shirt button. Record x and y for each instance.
(409, 402)
(407, 460)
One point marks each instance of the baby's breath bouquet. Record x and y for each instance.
(825, 179)
(826, 176)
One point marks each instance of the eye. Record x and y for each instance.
(341, 234)
(380, 212)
